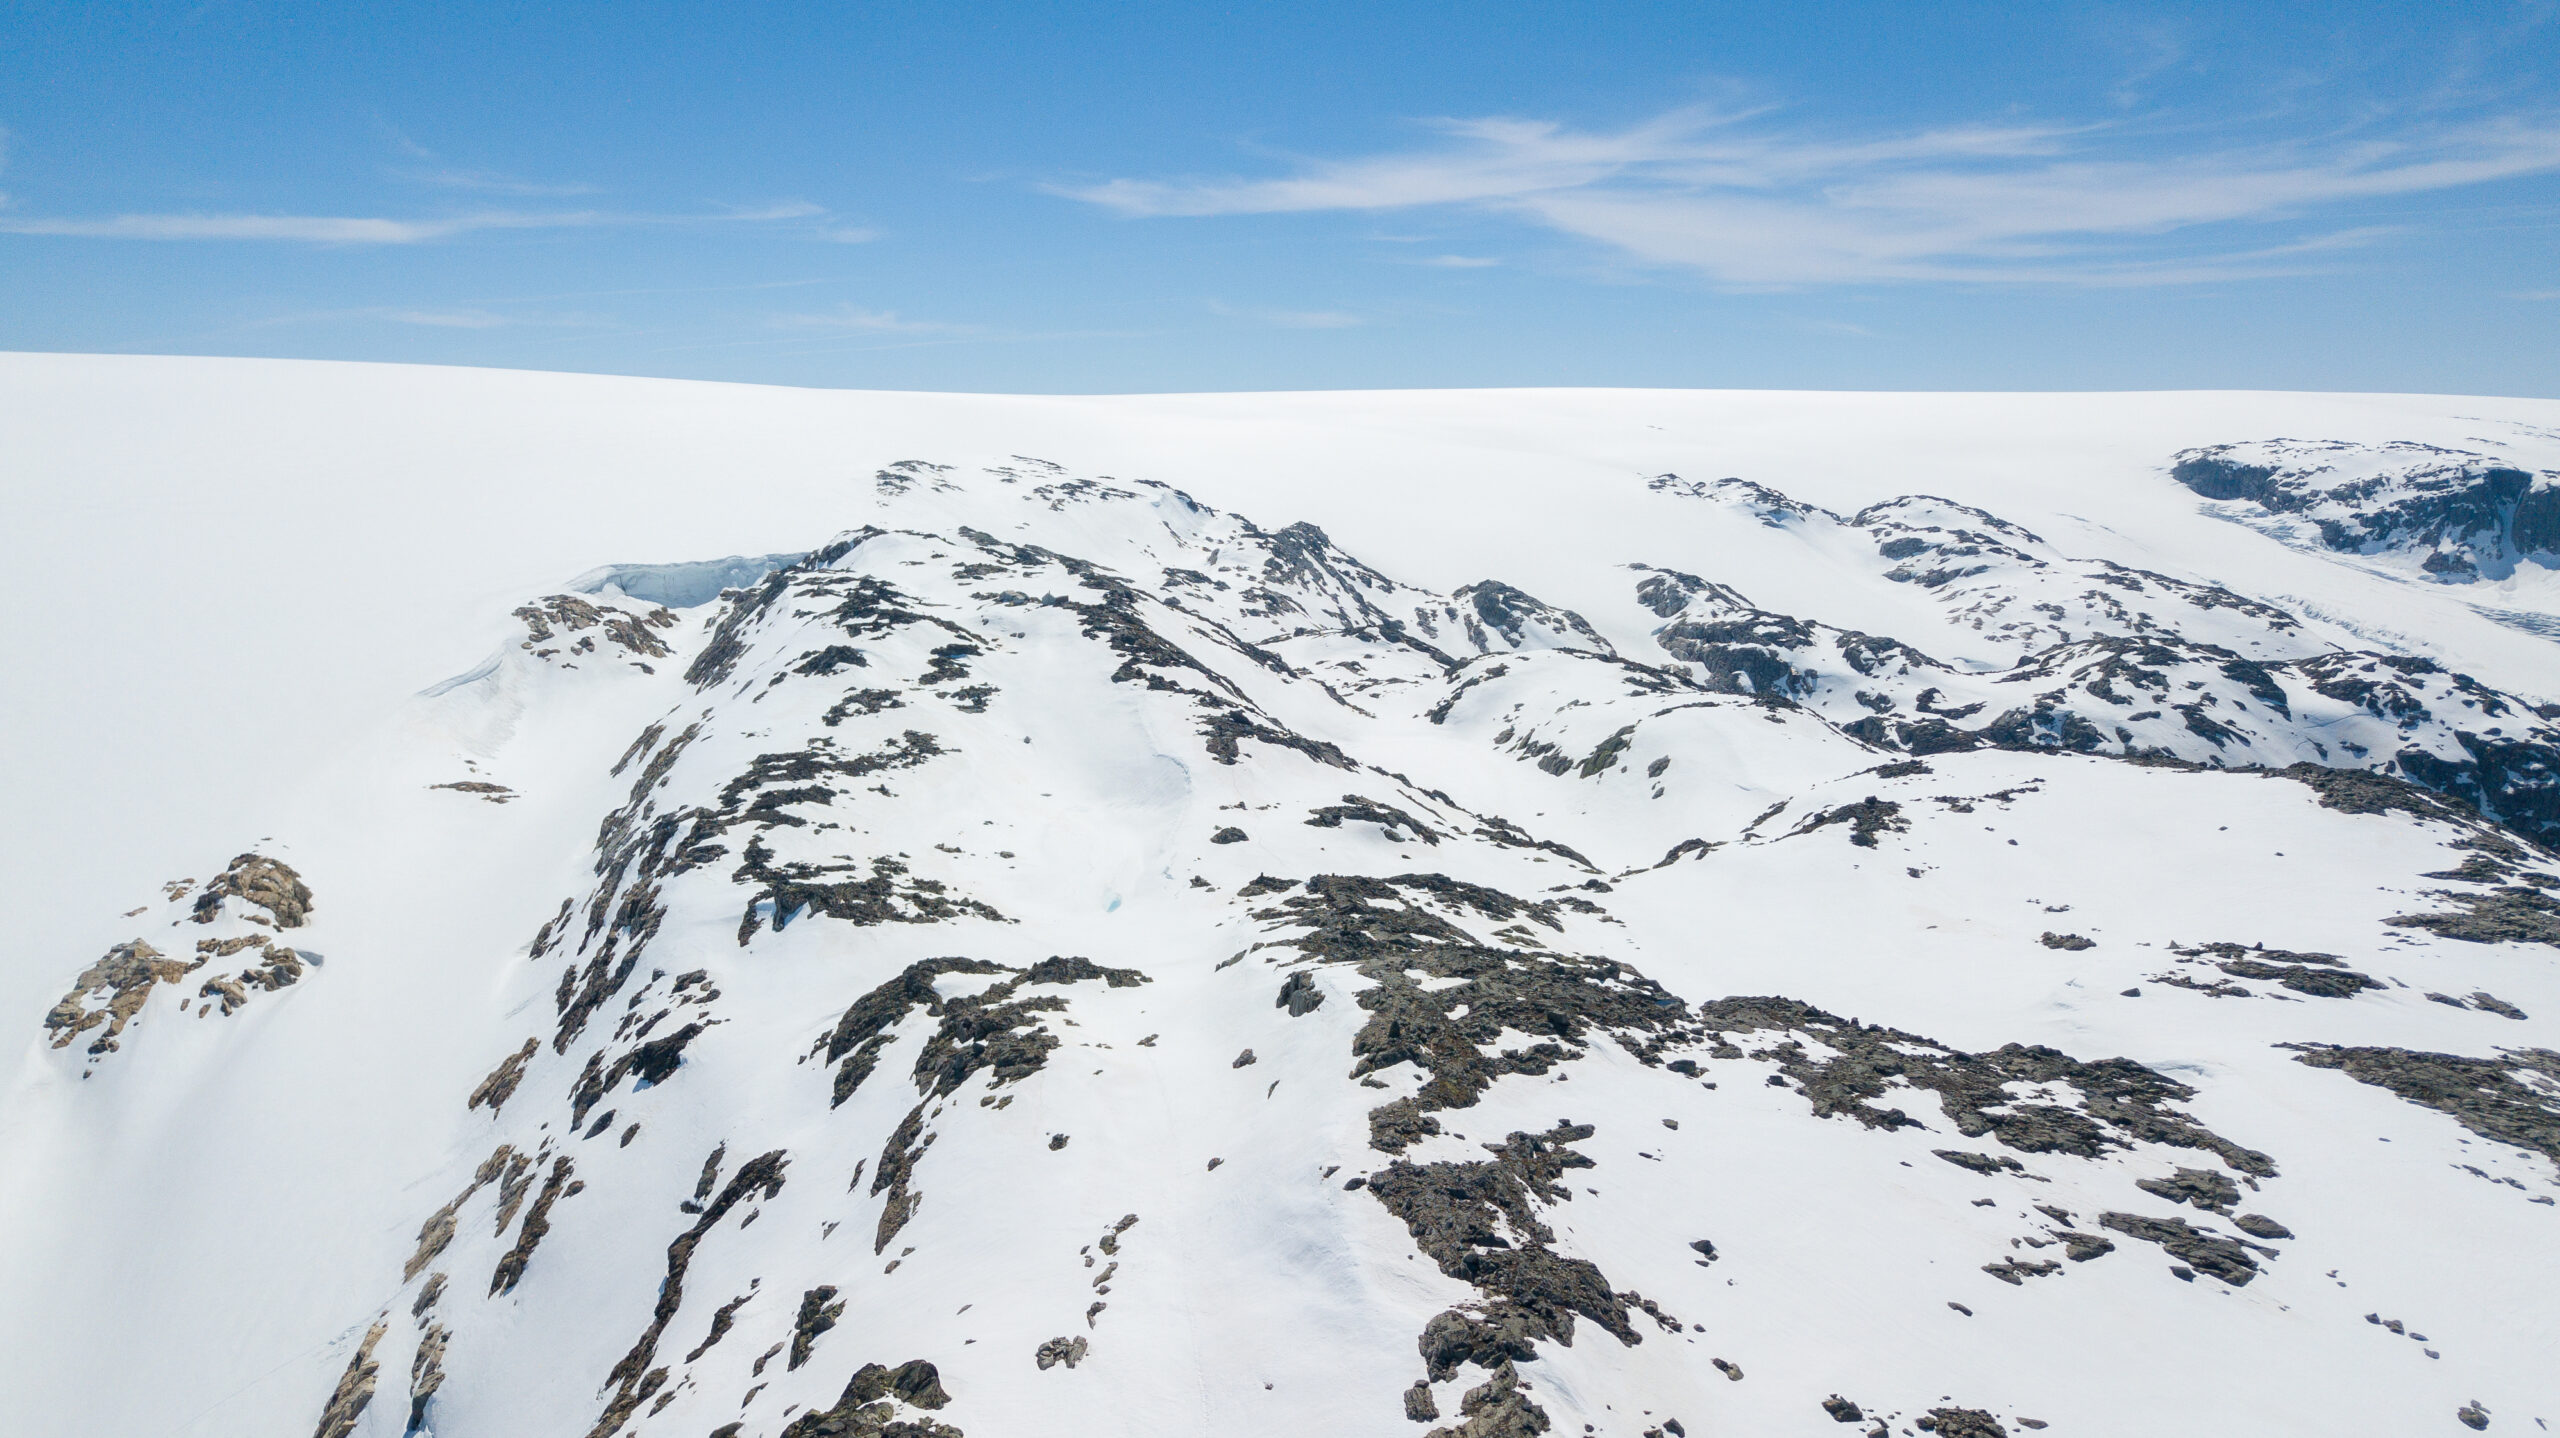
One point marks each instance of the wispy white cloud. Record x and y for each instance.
(367, 229)
(468, 317)
(314, 229)
(493, 183)
(1289, 319)
(448, 319)
(1461, 262)
(430, 168)
(1747, 205)
(854, 319)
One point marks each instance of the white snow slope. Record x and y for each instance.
(549, 905)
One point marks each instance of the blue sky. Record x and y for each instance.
(1053, 197)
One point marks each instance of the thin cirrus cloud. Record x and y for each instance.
(1289, 319)
(367, 229)
(441, 319)
(852, 319)
(430, 168)
(1726, 197)
(491, 182)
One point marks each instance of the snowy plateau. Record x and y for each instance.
(562, 907)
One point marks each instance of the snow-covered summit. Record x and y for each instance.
(1026, 949)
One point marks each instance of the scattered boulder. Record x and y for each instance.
(355, 1388)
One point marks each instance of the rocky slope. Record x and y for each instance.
(1059, 957)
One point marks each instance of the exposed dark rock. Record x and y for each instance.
(2362, 791)
(1299, 995)
(2320, 975)
(439, 1228)
(355, 1388)
(1960, 1423)
(2122, 1103)
(809, 775)
(888, 896)
(426, 1375)
(1228, 835)
(1224, 729)
(501, 1083)
(1502, 831)
(994, 1031)
(1493, 605)
(2509, 915)
(2081, 1247)
(2491, 1003)
(722, 1318)
(830, 659)
(1389, 930)
(1866, 819)
(652, 1062)
(863, 1032)
(1842, 1410)
(2484, 1095)
(1479, 1223)
(860, 702)
(537, 1222)
(1980, 1162)
(916, 1383)
(2223, 1258)
(1496, 1408)
(2014, 1271)
(2258, 1225)
(253, 878)
(2466, 512)
(819, 1310)
(619, 626)
(1073, 968)
(630, 1377)
(120, 984)
(1606, 755)
(1486, 1338)
(2203, 1187)
(907, 1143)
(1387, 817)
(1069, 1351)
(2052, 940)
(868, 1407)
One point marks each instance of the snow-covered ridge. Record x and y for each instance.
(2459, 514)
(1056, 956)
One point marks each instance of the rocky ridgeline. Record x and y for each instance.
(2460, 515)
(810, 980)
(2118, 662)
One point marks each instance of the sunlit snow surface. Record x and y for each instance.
(673, 966)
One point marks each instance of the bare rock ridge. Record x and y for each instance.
(252, 897)
(2462, 514)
